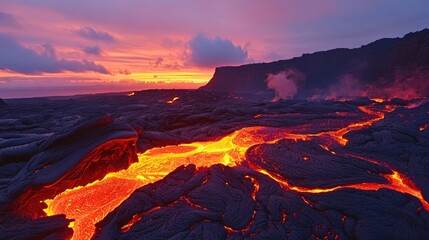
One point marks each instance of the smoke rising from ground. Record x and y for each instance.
(285, 83)
(405, 86)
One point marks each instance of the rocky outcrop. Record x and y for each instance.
(41, 167)
(382, 63)
(238, 203)
(54, 227)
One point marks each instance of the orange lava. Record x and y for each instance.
(255, 185)
(379, 100)
(91, 203)
(396, 183)
(423, 127)
(133, 220)
(173, 100)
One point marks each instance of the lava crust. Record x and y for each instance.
(181, 164)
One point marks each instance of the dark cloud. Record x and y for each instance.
(124, 72)
(158, 61)
(213, 52)
(172, 66)
(93, 50)
(17, 58)
(90, 33)
(7, 20)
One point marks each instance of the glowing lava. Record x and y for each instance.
(173, 100)
(91, 203)
(423, 127)
(396, 183)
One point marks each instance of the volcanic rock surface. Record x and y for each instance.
(297, 169)
(2, 103)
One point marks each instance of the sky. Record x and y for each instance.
(53, 47)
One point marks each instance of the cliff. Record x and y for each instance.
(2, 103)
(382, 63)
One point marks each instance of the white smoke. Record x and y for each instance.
(285, 83)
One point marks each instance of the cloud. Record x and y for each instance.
(17, 58)
(7, 20)
(90, 33)
(213, 52)
(93, 50)
(158, 61)
(124, 72)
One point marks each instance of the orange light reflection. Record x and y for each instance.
(91, 203)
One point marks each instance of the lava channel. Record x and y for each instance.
(89, 204)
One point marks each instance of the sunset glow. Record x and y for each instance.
(191, 119)
(79, 47)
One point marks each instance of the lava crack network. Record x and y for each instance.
(89, 204)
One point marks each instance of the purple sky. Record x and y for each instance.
(53, 47)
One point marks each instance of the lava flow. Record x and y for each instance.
(91, 203)
(173, 100)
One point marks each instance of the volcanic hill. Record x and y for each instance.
(402, 63)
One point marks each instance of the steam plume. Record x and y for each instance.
(285, 83)
(405, 86)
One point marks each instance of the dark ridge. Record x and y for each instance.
(379, 63)
(2, 103)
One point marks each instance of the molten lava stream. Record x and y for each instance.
(91, 203)
(396, 183)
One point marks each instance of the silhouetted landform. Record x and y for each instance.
(388, 67)
(292, 169)
(2, 103)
